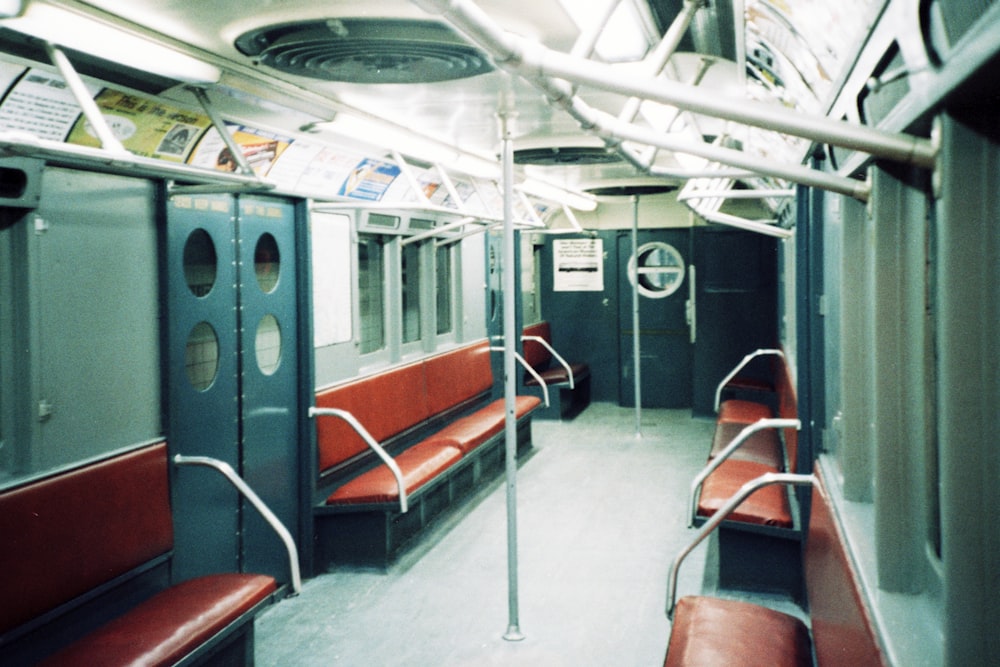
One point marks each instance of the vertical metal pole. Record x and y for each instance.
(509, 366)
(636, 351)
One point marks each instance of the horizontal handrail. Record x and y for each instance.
(248, 493)
(767, 479)
(740, 366)
(353, 422)
(734, 444)
(532, 371)
(548, 346)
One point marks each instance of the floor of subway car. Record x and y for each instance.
(600, 517)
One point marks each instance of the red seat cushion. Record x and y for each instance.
(762, 447)
(535, 354)
(712, 631)
(458, 376)
(419, 465)
(470, 431)
(171, 624)
(558, 375)
(767, 506)
(99, 535)
(744, 412)
(386, 404)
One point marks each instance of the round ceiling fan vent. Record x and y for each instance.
(554, 156)
(631, 190)
(360, 50)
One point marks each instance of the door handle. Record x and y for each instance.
(690, 311)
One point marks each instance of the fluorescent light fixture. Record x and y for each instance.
(581, 201)
(10, 8)
(81, 33)
(726, 193)
(473, 165)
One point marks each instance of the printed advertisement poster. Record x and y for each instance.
(320, 166)
(260, 149)
(42, 104)
(579, 265)
(369, 180)
(145, 127)
(428, 180)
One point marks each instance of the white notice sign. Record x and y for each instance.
(578, 265)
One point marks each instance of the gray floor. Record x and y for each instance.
(600, 517)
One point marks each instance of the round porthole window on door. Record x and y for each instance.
(267, 263)
(268, 345)
(200, 262)
(201, 356)
(659, 269)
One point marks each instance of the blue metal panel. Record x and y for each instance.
(585, 324)
(270, 372)
(663, 331)
(736, 305)
(203, 422)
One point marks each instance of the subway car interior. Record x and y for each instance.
(452, 332)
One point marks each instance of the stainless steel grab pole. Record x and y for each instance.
(510, 337)
(636, 343)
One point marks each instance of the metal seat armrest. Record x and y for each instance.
(794, 479)
(272, 520)
(558, 357)
(740, 366)
(372, 444)
(521, 360)
(735, 443)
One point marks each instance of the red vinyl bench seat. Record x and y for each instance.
(759, 544)
(419, 465)
(766, 507)
(171, 624)
(715, 631)
(435, 418)
(739, 411)
(707, 630)
(469, 432)
(78, 545)
(768, 450)
(569, 387)
(762, 447)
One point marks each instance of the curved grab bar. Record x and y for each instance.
(532, 371)
(372, 444)
(768, 478)
(733, 445)
(269, 516)
(558, 357)
(746, 360)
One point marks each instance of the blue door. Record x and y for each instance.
(232, 376)
(660, 267)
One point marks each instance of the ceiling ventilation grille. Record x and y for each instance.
(365, 51)
(553, 156)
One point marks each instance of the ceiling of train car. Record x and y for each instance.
(317, 65)
(360, 48)
(338, 50)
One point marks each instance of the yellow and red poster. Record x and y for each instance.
(145, 127)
